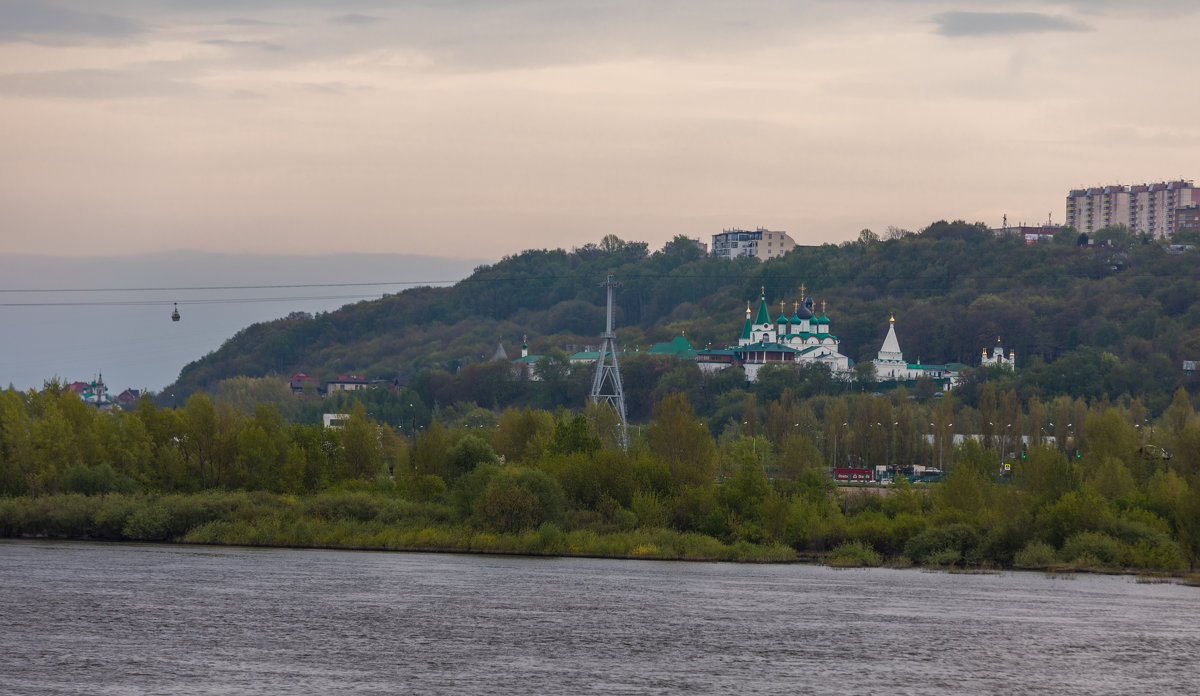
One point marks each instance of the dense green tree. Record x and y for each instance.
(1108, 434)
(749, 486)
(1076, 511)
(554, 375)
(573, 433)
(430, 451)
(1045, 475)
(1112, 479)
(516, 499)
(1187, 525)
(469, 452)
(964, 490)
(257, 458)
(681, 441)
(837, 424)
(796, 455)
(521, 436)
(199, 440)
(52, 443)
(361, 448)
(247, 393)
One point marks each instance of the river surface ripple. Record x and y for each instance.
(125, 619)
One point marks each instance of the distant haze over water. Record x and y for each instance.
(138, 345)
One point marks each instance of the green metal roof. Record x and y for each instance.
(678, 346)
(764, 314)
(769, 347)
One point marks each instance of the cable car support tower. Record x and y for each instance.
(606, 386)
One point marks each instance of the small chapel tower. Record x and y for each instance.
(997, 358)
(890, 365)
(762, 328)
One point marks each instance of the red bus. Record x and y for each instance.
(854, 475)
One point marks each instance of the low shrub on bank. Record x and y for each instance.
(1094, 549)
(942, 546)
(546, 540)
(127, 517)
(366, 507)
(374, 516)
(1037, 555)
(854, 554)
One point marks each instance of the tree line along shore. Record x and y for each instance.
(1118, 490)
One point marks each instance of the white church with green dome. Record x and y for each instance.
(802, 338)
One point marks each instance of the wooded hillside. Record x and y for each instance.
(1088, 321)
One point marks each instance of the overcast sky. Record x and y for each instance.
(477, 128)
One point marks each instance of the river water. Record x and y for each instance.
(99, 618)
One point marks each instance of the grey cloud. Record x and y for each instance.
(477, 35)
(358, 19)
(485, 36)
(38, 22)
(331, 88)
(244, 22)
(149, 80)
(237, 43)
(1006, 23)
(474, 35)
(325, 88)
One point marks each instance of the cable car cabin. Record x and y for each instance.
(175, 313)
(854, 475)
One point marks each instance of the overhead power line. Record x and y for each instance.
(234, 287)
(910, 286)
(527, 279)
(160, 303)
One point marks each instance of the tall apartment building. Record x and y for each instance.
(1187, 218)
(761, 243)
(1144, 208)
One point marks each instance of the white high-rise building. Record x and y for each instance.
(760, 243)
(1144, 208)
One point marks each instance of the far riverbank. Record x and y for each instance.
(372, 522)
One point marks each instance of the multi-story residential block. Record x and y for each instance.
(1187, 218)
(347, 383)
(1143, 208)
(1030, 233)
(760, 243)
